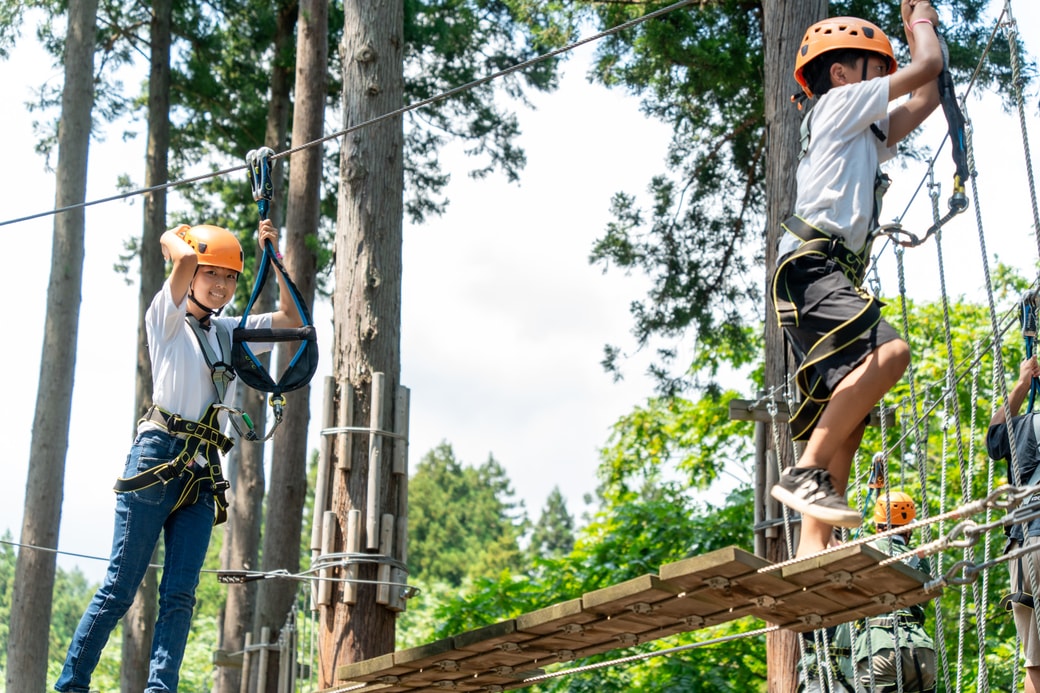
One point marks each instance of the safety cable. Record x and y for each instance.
(378, 119)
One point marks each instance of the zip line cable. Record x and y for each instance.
(372, 121)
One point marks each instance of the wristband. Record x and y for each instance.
(911, 25)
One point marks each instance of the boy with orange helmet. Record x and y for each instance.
(899, 634)
(850, 356)
(172, 483)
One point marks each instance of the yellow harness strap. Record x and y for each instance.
(201, 437)
(814, 391)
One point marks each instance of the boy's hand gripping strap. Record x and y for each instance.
(1030, 304)
(304, 363)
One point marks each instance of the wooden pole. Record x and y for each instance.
(353, 544)
(375, 457)
(265, 653)
(345, 417)
(247, 660)
(386, 548)
(330, 523)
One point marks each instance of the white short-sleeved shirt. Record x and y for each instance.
(181, 379)
(836, 175)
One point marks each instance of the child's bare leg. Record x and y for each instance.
(850, 403)
(833, 444)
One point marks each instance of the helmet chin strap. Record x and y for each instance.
(209, 311)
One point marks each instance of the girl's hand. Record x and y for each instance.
(268, 232)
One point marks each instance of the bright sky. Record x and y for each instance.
(504, 320)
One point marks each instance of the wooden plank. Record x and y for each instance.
(735, 579)
(370, 669)
(852, 578)
(617, 599)
(729, 563)
(489, 637)
(429, 655)
(553, 618)
(497, 645)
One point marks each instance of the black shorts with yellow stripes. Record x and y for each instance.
(832, 324)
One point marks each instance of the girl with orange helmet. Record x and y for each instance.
(850, 357)
(172, 484)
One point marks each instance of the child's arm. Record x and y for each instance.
(287, 314)
(920, 77)
(1027, 370)
(184, 260)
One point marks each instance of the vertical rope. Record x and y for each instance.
(1017, 81)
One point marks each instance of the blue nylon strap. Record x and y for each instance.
(304, 362)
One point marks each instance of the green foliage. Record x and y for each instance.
(553, 534)
(461, 519)
(700, 242)
(696, 439)
(452, 43)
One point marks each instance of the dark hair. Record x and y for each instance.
(818, 72)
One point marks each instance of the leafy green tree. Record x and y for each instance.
(553, 534)
(462, 520)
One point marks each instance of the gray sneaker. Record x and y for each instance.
(810, 491)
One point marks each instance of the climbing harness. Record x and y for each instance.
(956, 128)
(304, 362)
(814, 242)
(202, 438)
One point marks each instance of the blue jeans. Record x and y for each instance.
(140, 517)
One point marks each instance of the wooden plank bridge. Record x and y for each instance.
(694, 593)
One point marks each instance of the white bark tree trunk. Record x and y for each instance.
(34, 573)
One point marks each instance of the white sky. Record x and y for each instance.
(504, 320)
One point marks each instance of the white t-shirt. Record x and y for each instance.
(181, 379)
(836, 175)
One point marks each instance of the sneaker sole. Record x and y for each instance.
(850, 519)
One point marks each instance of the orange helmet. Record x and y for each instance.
(214, 246)
(897, 504)
(839, 33)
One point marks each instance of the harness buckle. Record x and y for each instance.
(221, 486)
(167, 473)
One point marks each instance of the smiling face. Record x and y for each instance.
(213, 287)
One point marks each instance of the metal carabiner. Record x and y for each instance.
(258, 167)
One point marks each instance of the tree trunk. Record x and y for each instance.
(367, 305)
(284, 522)
(785, 22)
(139, 622)
(34, 573)
(242, 536)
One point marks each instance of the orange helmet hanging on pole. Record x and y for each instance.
(840, 33)
(214, 246)
(898, 506)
